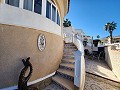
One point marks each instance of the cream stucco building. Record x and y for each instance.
(21, 23)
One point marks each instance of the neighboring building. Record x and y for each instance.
(30, 28)
(69, 32)
(88, 39)
(116, 39)
(80, 33)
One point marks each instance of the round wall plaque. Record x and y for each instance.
(41, 42)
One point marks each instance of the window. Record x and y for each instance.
(12, 2)
(28, 4)
(38, 6)
(58, 18)
(53, 13)
(48, 10)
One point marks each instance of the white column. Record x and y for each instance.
(51, 11)
(21, 2)
(44, 7)
(33, 6)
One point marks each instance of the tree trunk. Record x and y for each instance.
(111, 39)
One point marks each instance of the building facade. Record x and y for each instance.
(23, 23)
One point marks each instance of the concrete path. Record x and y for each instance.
(99, 76)
(100, 68)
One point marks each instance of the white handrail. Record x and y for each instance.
(79, 76)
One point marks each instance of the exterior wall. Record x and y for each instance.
(17, 43)
(20, 17)
(2, 1)
(112, 58)
(63, 7)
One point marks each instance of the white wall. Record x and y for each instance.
(19, 17)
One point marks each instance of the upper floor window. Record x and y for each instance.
(38, 6)
(48, 10)
(53, 13)
(28, 4)
(12, 2)
(58, 18)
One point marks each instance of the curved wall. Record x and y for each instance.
(17, 43)
(20, 17)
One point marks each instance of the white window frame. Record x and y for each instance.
(55, 12)
(21, 3)
(43, 11)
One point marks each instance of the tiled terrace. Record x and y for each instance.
(100, 68)
(99, 76)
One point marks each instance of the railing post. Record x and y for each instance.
(77, 76)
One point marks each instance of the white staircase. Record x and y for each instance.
(64, 76)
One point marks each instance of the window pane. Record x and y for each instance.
(28, 4)
(38, 6)
(53, 13)
(12, 2)
(58, 18)
(48, 10)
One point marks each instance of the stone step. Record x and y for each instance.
(66, 72)
(68, 56)
(68, 44)
(68, 61)
(70, 50)
(65, 83)
(68, 53)
(70, 47)
(67, 66)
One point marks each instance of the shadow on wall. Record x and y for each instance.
(107, 57)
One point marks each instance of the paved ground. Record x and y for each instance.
(100, 68)
(93, 84)
(53, 86)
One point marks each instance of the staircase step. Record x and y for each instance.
(67, 65)
(68, 61)
(68, 53)
(70, 50)
(70, 47)
(68, 56)
(66, 72)
(67, 84)
(68, 44)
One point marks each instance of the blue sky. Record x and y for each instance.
(92, 15)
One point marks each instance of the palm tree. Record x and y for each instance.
(98, 36)
(66, 23)
(110, 27)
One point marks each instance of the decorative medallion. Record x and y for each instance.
(41, 42)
